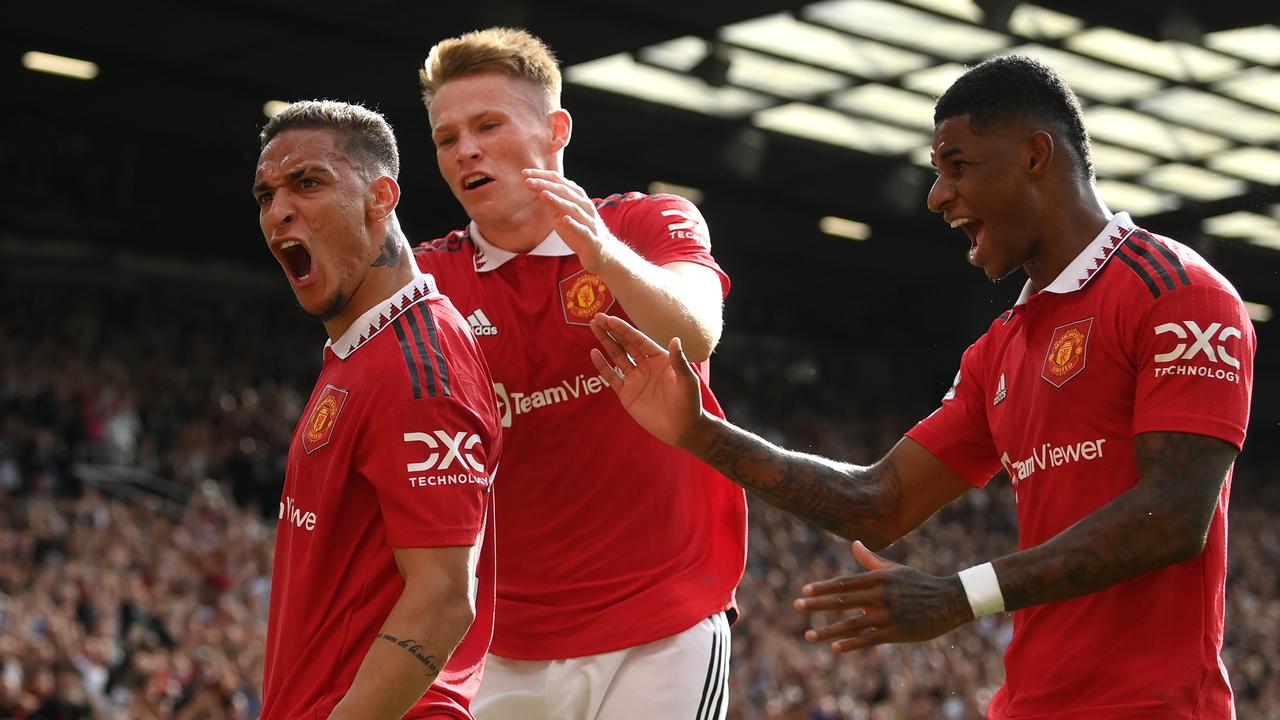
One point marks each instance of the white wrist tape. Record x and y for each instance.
(983, 588)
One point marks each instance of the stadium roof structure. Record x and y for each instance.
(1191, 121)
(801, 128)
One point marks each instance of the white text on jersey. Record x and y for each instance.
(1202, 343)
(1052, 456)
(295, 514)
(513, 403)
(459, 446)
(480, 325)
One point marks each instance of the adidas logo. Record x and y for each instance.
(480, 325)
(1000, 392)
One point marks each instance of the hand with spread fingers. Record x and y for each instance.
(890, 603)
(577, 221)
(656, 386)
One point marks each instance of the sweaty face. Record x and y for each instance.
(981, 189)
(311, 208)
(487, 128)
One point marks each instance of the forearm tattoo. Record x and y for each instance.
(1163, 519)
(840, 498)
(414, 649)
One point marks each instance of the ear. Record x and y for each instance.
(1039, 153)
(561, 129)
(385, 195)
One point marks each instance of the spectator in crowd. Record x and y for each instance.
(151, 598)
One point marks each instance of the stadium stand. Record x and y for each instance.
(143, 427)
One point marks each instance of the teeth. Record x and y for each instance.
(288, 244)
(471, 180)
(961, 222)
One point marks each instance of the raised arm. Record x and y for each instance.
(677, 299)
(876, 504)
(425, 625)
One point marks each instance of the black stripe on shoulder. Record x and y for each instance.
(429, 322)
(1166, 253)
(408, 357)
(1137, 268)
(1152, 260)
(409, 318)
(1006, 315)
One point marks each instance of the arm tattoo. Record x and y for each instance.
(841, 498)
(391, 254)
(414, 649)
(1162, 520)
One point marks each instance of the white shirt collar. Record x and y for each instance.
(378, 317)
(491, 257)
(1080, 271)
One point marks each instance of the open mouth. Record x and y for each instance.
(471, 182)
(974, 231)
(972, 227)
(296, 259)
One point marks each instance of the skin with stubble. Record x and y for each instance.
(329, 221)
(1015, 192)
(325, 221)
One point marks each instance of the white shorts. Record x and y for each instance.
(683, 676)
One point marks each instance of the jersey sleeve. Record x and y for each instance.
(666, 229)
(429, 461)
(1194, 354)
(957, 433)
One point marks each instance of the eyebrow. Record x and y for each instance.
(953, 150)
(472, 118)
(293, 175)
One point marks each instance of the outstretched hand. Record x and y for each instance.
(891, 603)
(656, 386)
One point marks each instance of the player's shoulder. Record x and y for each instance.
(633, 202)
(453, 243)
(646, 222)
(408, 351)
(619, 201)
(1156, 267)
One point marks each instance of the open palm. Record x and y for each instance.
(655, 385)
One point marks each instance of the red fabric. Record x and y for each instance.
(609, 538)
(1148, 647)
(353, 498)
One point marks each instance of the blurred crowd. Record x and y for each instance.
(143, 433)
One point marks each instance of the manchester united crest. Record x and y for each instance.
(582, 295)
(324, 414)
(1067, 352)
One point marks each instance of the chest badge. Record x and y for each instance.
(324, 415)
(1068, 350)
(1001, 392)
(582, 295)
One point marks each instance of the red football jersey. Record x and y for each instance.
(1138, 334)
(608, 538)
(397, 448)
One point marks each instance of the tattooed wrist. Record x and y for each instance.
(414, 649)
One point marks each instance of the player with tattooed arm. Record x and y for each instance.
(382, 589)
(1115, 395)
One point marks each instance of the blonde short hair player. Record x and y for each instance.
(617, 554)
